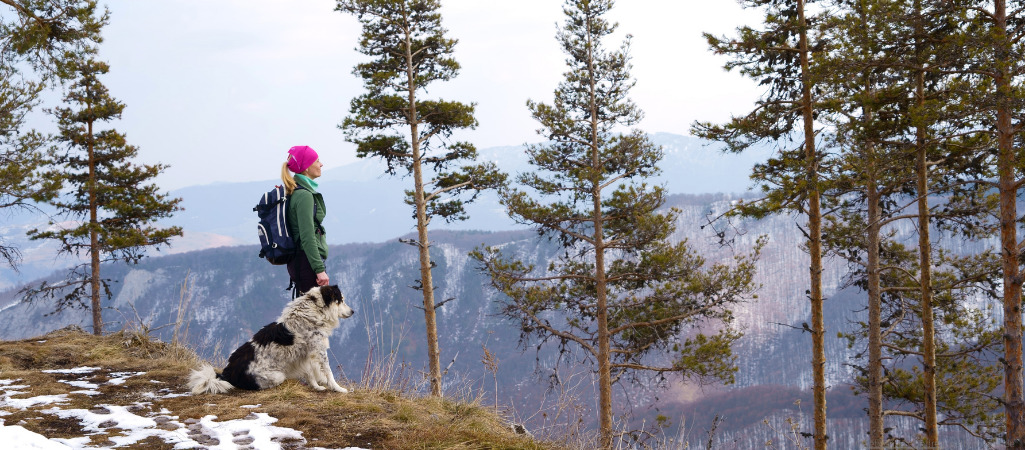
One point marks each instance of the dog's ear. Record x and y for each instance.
(331, 294)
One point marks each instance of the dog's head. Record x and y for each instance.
(331, 298)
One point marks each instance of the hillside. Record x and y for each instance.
(127, 390)
(364, 205)
(226, 294)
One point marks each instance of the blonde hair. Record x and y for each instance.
(287, 179)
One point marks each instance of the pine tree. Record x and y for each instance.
(779, 57)
(992, 38)
(393, 121)
(869, 175)
(923, 33)
(621, 293)
(988, 44)
(49, 34)
(890, 102)
(111, 207)
(35, 43)
(920, 48)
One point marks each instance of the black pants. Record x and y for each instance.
(301, 274)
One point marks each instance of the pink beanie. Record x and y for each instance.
(300, 158)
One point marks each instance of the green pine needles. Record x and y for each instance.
(408, 51)
(38, 38)
(84, 172)
(621, 292)
(109, 205)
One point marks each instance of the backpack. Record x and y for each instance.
(276, 245)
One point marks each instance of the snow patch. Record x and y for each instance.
(118, 378)
(125, 428)
(76, 370)
(81, 384)
(25, 403)
(18, 437)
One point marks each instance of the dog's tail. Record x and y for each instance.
(205, 381)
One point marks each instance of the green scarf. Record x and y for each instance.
(308, 180)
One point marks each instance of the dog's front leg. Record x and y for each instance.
(315, 385)
(324, 369)
(313, 377)
(331, 381)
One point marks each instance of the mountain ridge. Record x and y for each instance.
(366, 205)
(231, 293)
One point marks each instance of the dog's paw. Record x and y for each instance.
(337, 388)
(317, 387)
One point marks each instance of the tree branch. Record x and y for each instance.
(660, 321)
(895, 412)
(438, 192)
(555, 332)
(642, 367)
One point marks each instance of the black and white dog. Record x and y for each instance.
(295, 346)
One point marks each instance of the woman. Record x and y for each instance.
(305, 214)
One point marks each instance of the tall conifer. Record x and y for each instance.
(918, 46)
(868, 175)
(778, 54)
(393, 121)
(37, 38)
(622, 294)
(992, 38)
(110, 208)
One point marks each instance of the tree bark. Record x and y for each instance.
(94, 239)
(426, 281)
(1014, 406)
(818, 327)
(925, 257)
(604, 352)
(601, 292)
(430, 318)
(875, 335)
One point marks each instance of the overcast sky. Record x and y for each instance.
(220, 89)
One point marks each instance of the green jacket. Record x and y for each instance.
(303, 226)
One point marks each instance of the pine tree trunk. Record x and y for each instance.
(426, 281)
(604, 340)
(604, 352)
(814, 241)
(875, 332)
(925, 278)
(1013, 379)
(94, 241)
(1014, 383)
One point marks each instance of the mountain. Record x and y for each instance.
(227, 293)
(365, 205)
(223, 293)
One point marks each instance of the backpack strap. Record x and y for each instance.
(318, 228)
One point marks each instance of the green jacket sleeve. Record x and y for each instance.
(305, 228)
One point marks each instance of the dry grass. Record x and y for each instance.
(370, 416)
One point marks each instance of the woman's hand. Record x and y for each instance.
(322, 279)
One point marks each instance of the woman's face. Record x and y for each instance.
(314, 170)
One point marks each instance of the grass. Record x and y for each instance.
(377, 417)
